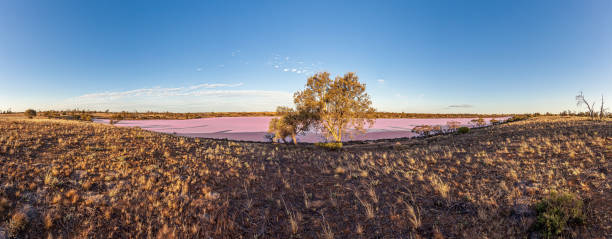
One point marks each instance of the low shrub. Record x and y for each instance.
(17, 224)
(423, 130)
(330, 145)
(30, 113)
(479, 122)
(517, 118)
(463, 130)
(556, 213)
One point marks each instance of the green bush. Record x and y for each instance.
(86, 117)
(330, 145)
(517, 118)
(463, 130)
(30, 113)
(557, 212)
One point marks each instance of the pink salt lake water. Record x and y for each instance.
(255, 128)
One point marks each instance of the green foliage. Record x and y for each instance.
(86, 117)
(281, 130)
(330, 145)
(517, 118)
(291, 123)
(81, 115)
(30, 113)
(556, 212)
(336, 105)
(463, 130)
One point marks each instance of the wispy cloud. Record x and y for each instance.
(293, 65)
(156, 92)
(460, 106)
(194, 98)
(381, 81)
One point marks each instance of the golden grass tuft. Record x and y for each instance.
(89, 180)
(18, 224)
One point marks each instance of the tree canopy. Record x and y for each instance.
(335, 106)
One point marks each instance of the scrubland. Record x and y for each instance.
(87, 115)
(66, 179)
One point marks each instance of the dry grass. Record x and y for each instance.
(82, 179)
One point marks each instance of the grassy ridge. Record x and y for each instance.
(78, 179)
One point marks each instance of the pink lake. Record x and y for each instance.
(255, 128)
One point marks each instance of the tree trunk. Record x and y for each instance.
(601, 109)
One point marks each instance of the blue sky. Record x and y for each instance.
(197, 56)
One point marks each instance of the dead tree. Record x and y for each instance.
(591, 107)
(602, 110)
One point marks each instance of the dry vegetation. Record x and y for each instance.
(84, 114)
(80, 179)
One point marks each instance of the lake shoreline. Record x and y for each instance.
(254, 129)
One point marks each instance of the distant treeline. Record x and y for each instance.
(574, 113)
(81, 115)
(393, 115)
(380, 115)
(168, 115)
(88, 115)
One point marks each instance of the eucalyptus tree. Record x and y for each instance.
(335, 106)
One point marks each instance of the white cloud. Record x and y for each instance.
(155, 92)
(381, 81)
(195, 98)
(209, 86)
(461, 106)
(294, 65)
